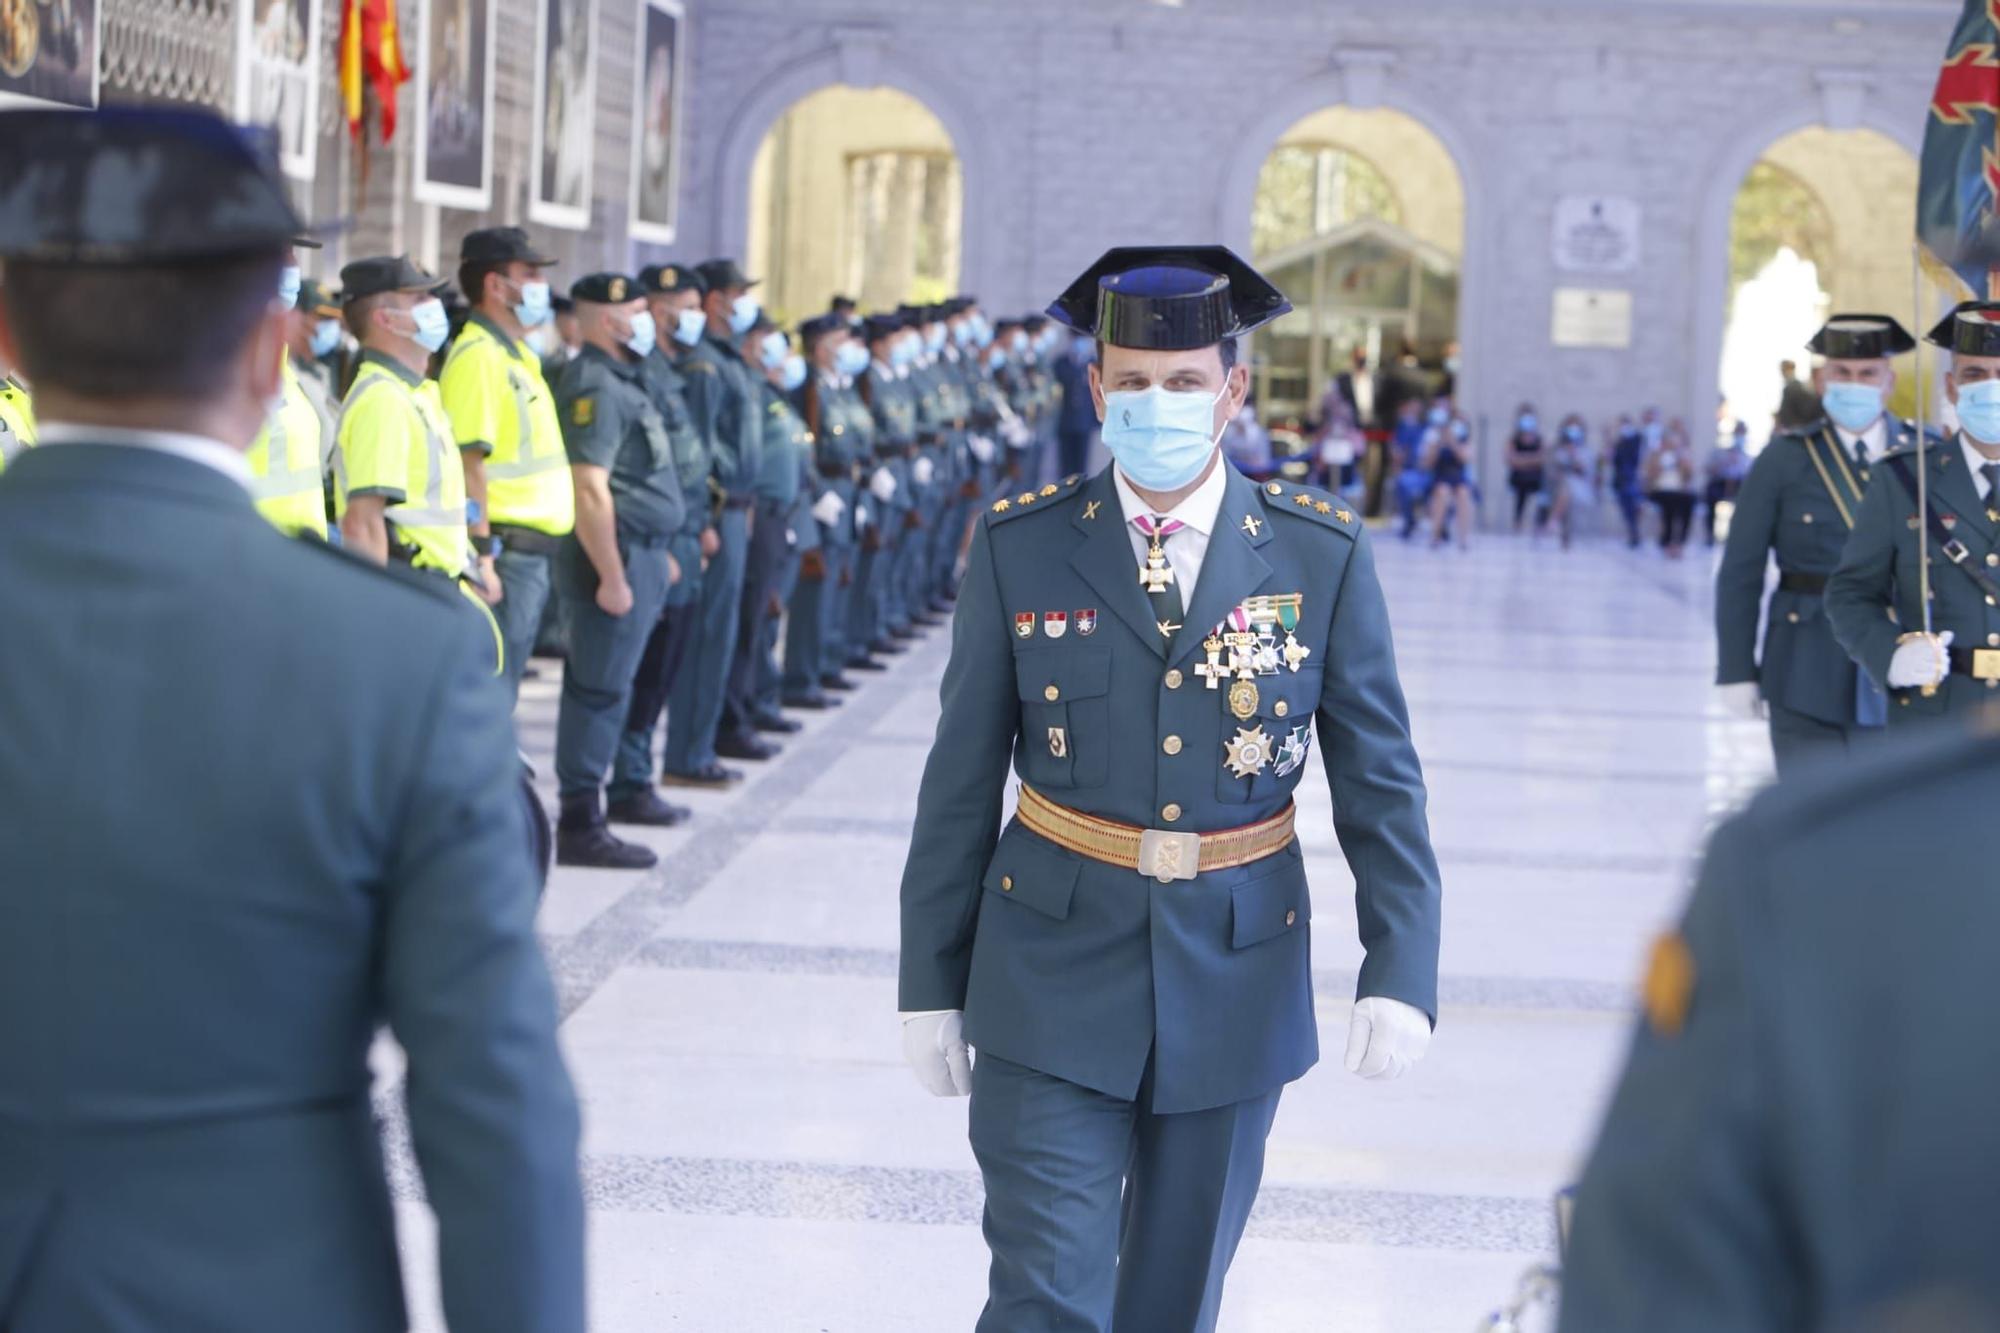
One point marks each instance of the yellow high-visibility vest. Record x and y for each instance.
(17, 420)
(284, 463)
(494, 393)
(394, 441)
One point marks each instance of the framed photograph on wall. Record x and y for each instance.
(660, 76)
(277, 76)
(454, 144)
(565, 112)
(48, 52)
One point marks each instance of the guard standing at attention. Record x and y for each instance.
(260, 800)
(503, 418)
(287, 480)
(1949, 662)
(843, 434)
(1799, 503)
(886, 389)
(1154, 650)
(727, 409)
(673, 297)
(615, 569)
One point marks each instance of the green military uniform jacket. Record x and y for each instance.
(610, 420)
(1873, 596)
(1798, 504)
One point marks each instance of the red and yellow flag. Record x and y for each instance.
(370, 53)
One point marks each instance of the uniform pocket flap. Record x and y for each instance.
(1034, 873)
(1269, 905)
(1050, 675)
(1289, 697)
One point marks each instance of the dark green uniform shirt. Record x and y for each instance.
(666, 377)
(609, 420)
(727, 407)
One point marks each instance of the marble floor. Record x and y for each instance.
(758, 1160)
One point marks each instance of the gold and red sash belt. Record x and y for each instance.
(1164, 855)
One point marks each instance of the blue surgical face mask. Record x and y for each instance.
(1439, 416)
(851, 358)
(433, 325)
(1572, 433)
(533, 308)
(962, 333)
(982, 331)
(1019, 343)
(688, 326)
(1530, 423)
(1161, 440)
(1979, 411)
(742, 314)
(325, 337)
(290, 279)
(794, 373)
(997, 359)
(644, 334)
(772, 350)
(934, 338)
(1854, 407)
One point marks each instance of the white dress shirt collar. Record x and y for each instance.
(1875, 439)
(195, 448)
(1974, 460)
(1199, 510)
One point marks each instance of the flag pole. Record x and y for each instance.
(1923, 471)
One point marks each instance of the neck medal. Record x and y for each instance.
(1249, 753)
(1157, 574)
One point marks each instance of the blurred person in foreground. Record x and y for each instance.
(241, 833)
(1804, 1135)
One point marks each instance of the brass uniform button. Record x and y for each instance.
(1052, 694)
(1993, 641)
(1281, 708)
(1992, 559)
(1792, 616)
(1171, 813)
(1172, 745)
(1275, 489)
(1291, 918)
(1174, 679)
(1807, 518)
(1006, 883)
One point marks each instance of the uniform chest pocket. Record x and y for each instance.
(1261, 756)
(1065, 716)
(659, 448)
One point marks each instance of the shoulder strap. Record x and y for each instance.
(1948, 546)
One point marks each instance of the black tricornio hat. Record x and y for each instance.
(819, 326)
(501, 245)
(1971, 329)
(876, 327)
(605, 289)
(1169, 297)
(383, 273)
(1861, 338)
(668, 278)
(138, 185)
(723, 274)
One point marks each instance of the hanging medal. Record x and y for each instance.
(1242, 643)
(1157, 574)
(1212, 670)
(1288, 616)
(1249, 753)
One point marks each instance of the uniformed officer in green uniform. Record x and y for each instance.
(503, 419)
(259, 803)
(885, 388)
(727, 408)
(785, 428)
(1950, 661)
(1798, 504)
(673, 296)
(1154, 652)
(843, 434)
(615, 569)
(1804, 1134)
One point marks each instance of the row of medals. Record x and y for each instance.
(1250, 637)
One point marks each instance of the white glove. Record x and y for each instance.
(1920, 660)
(1386, 1037)
(982, 447)
(860, 517)
(934, 1045)
(828, 508)
(1743, 698)
(883, 484)
(1015, 432)
(923, 470)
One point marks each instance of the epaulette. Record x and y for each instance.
(1310, 502)
(1048, 497)
(402, 575)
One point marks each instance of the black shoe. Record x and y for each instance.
(738, 746)
(838, 683)
(906, 632)
(865, 664)
(811, 703)
(597, 847)
(645, 807)
(926, 620)
(776, 723)
(713, 778)
(887, 648)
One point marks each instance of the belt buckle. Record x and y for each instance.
(1169, 856)
(1986, 663)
